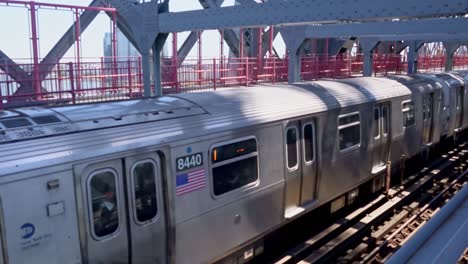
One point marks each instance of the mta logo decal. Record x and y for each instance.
(27, 230)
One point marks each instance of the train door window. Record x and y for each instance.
(408, 114)
(430, 106)
(427, 106)
(144, 188)
(349, 131)
(291, 146)
(102, 188)
(309, 134)
(234, 165)
(376, 122)
(385, 120)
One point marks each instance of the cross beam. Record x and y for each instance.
(10, 67)
(67, 40)
(381, 29)
(462, 37)
(229, 36)
(295, 12)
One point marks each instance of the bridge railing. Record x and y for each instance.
(107, 79)
(72, 83)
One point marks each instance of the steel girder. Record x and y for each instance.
(186, 47)
(461, 37)
(66, 41)
(8, 66)
(50, 60)
(450, 49)
(229, 35)
(447, 29)
(389, 28)
(294, 12)
(368, 47)
(141, 20)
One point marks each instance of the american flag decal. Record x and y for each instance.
(189, 182)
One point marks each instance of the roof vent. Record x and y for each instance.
(30, 133)
(4, 137)
(16, 122)
(48, 119)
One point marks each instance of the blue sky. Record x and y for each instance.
(53, 23)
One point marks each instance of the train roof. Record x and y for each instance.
(62, 132)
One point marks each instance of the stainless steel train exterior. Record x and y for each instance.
(194, 178)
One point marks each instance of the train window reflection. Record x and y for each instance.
(236, 171)
(427, 106)
(234, 175)
(376, 122)
(144, 187)
(349, 131)
(104, 204)
(385, 120)
(408, 114)
(308, 143)
(291, 145)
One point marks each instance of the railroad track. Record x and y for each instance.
(410, 219)
(374, 231)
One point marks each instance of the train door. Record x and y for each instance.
(309, 162)
(123, 210)
(459, 109)
(428, 119)
(301, 165)
(147, 221)
(293, 169)
(381, 136)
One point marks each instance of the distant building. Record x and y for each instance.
(126, 53)
(125, 49)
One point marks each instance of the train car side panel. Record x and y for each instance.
(229, 207)
(41, 225)
(345, 140)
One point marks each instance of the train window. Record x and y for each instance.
(233, 150)
(144, 187)
(408, 114)
(308, 142)
(376, 122)
(349, 131)
(234, 165)
(427, 106)
(291, 147)
(104, 203)
(385, 120)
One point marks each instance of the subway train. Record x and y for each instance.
(203, 177)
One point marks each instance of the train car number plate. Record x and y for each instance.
(190, 161)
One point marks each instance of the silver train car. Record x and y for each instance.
(200, 178)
